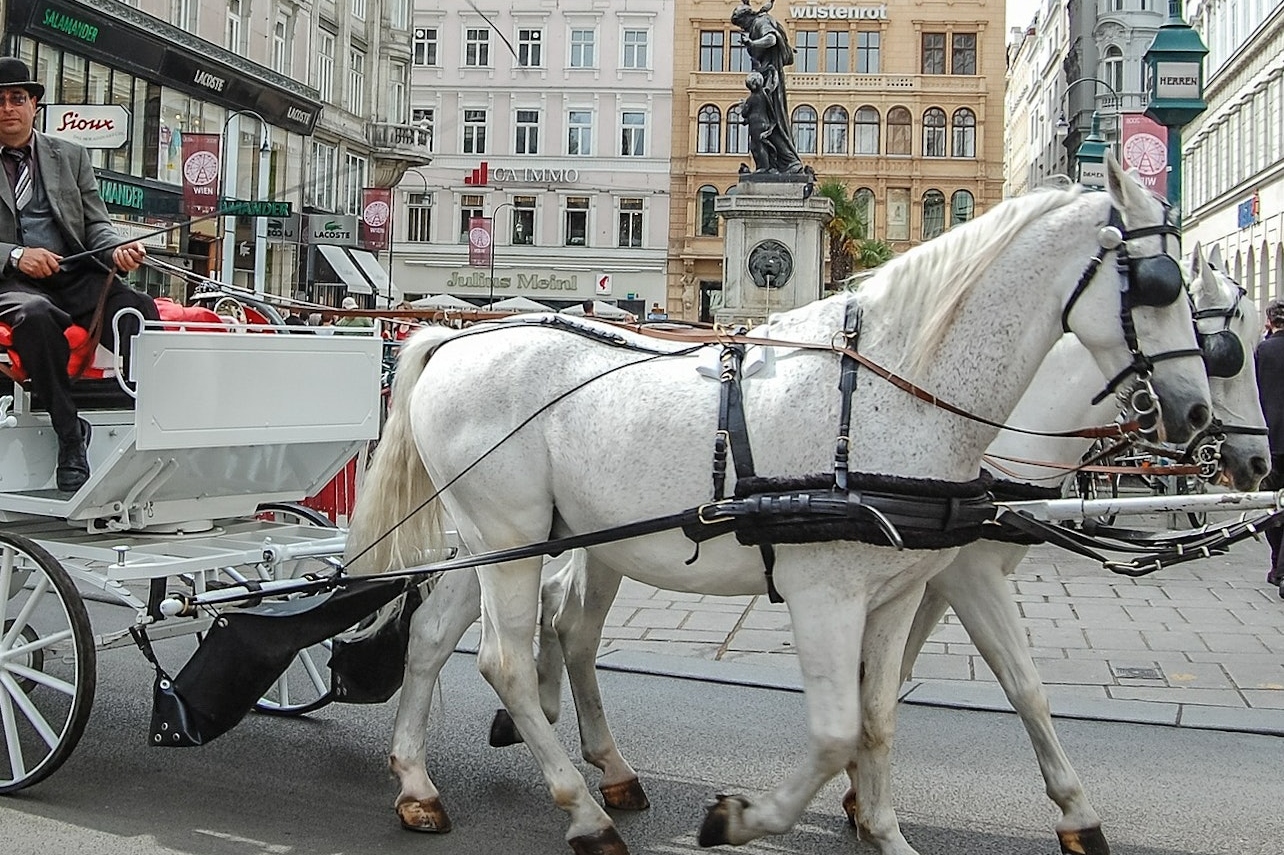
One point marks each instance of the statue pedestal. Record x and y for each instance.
(773, 255)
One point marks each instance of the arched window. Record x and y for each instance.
(804, 122)
(1113, 67)
(964, 133)
(933, 214)
(962, 207)
(835, 130)
(900, 131)
(867, 120)
(737, 132)
(709, 138)
(863, 202)
(933, 132)
(708, 217)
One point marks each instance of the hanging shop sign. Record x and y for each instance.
(88, 125)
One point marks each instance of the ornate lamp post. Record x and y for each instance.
(1091, 154)
(1175, 62)
(228, 164)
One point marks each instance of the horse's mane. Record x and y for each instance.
(930, 281)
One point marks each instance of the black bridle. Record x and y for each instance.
(1154, 280)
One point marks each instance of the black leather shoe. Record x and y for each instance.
(73, 462)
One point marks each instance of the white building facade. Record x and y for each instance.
(552, 121)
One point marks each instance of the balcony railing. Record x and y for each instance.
(866, 83)
(389, 140)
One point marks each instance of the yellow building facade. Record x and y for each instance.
(901, 101)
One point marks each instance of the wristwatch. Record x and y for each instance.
(15, 255)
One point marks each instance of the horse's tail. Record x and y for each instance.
(391, 526)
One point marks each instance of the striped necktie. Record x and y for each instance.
(22, 183)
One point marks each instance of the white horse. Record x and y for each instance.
(522, 453)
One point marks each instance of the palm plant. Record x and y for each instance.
(850, 246)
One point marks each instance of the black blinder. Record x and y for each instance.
(1223, 353)
(1156, 281)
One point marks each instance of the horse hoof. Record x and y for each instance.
(850, 807)
(626, 795)
(1084, 841)
(718, 819)
(426, 815)
(503, 732)
(605, 842)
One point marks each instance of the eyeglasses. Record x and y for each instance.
(17, 99)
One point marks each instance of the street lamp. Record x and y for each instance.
(229, 165)
(491, 302)
(1091, 154)
(392, 227)
(1175, 61)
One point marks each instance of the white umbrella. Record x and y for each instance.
(600, 310)
(442, 301)
(519, 304)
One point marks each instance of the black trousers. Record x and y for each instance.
(1275, 536)
(38, 317)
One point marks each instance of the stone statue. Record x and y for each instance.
(766, 109)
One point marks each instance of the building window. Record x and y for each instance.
(637, 52)
(355, 182)
(325, 166)
(523, 221)
(709, 130)
(806, 58)
(867, 47)
(470, 208)
(933, 214)
(577, 209)
(232, 32)
(423, 117)
(933, 132)
(898, 213)
(900, 133)
(630, 223)
(583, 49)
(419, 217)
(964, 133)
(579, 133)
(358, 8)
(867, 130)
(400, 106)
(708, 215)
(530, 48)
(184, 14)
(399, 15)
(738, 60)
(281, 43)
(527, 129)
(863, 200)
(633, 134)
(962, 207)
(933, 54)
(838, 52)
(737, 132)
(963, 54)
(356, 80)
(1113, 72)
(711, 46)
(804, 125)
(835, 130)
(477, 47)
(425, 46)
(325, 65)
(474, 132)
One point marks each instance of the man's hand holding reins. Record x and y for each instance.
(129, 257)
(38, 263)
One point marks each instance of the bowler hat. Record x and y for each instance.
(14, 73)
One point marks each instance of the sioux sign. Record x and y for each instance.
(88, 125)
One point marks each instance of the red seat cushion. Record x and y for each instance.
(173, 314)
(80, 364)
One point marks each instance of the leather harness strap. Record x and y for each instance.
(846, 390)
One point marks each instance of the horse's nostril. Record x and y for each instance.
(1199, 416)
(1261, 466)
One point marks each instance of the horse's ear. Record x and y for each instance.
(1193, 261)
(1119, 184)
(1208, 281)
(1215, 257)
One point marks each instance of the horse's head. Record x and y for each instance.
(1228, 327)
(1149, 353)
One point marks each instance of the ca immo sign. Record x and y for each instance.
(89, 125)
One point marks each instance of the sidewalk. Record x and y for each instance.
(1198, 645)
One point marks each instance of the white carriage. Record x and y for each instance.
(196, 466)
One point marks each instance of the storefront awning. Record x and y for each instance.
(345, 268)
(384, 286)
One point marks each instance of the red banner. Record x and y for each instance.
(201, 171)
(480, 233)
(376, 217)
(1145, 149)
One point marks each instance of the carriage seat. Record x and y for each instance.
(89, 363)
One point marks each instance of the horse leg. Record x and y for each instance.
(435, 629)
(828, 626)
(588, 589)
(979, 593)
(929, 614)
(868, 803)
(510, 603)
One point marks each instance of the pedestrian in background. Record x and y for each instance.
(1270, 391)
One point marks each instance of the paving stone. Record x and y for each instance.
(724, 622)
(1050, 636)
(1253, 720)
(612, 632)
(1118, 639)
(1266, 700)
(665, 618)
(767, 620)
(693, 636)
(1048, 610)
(1045, 589)
(1259, 675)
(761, 640)
(1074, 671)
(1179, 695)
(1183, 641)
(1104, 614)
(941, 667)
(1211, 617)
(1224, 642)
(1154, 614)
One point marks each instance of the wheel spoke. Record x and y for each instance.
(20, 622)
(43, 679)
(32, 647)
(29, 710)
(314, 673)
(17, 765)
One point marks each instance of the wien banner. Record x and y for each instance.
(1145, 148)
(201, 169)
(479, 241)
(376, 217)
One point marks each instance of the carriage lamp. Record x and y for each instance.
(1090, 157)
(1175, 65)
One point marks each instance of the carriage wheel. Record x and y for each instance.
(1092, 485)
(47, 664)
(305, 685)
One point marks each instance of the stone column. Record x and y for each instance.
(773, 254)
